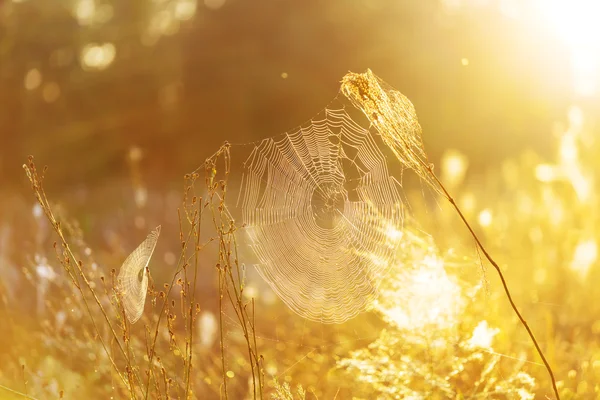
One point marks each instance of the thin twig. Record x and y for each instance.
(162, 311)
(504, 285)
(38, 189)
(395, 119)
(15, 392)
(193, 295)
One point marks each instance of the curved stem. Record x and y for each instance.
(504, 285)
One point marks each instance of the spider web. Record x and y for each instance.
(319, 207)
(132, 282)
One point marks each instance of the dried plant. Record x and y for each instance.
(231, 285)
(431, 347)
(394, 117)
(284, 392)
(125, 294)
(74, 268)
(162, 362)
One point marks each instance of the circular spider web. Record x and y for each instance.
(320, 209)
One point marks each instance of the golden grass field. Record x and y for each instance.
(160, 242)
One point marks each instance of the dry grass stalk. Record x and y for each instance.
(394, 117)
(16, 393)
(74, 269)
(217, 170)
(127, 312)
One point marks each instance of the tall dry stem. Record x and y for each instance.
(74, 269)
(228, 267)
(394, 117)
(230, 287)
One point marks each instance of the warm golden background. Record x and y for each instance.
(122, 98)
(82, 81)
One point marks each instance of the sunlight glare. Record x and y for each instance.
(468, 202)
(45, 271)
(428, 298)
(185, 9)
(393, 234)
(569, 167)
(250, 292)
(378, 261)
(485, 218)
(585, 66)
(37, 211)
(586, 254)
(97, 56)
(208, 328)
(568, 149)
(454, 166)
(576, 118)
(84, 11)
(575, 23)
(483, 336)
(545, 173)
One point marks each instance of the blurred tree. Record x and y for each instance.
(83, 81)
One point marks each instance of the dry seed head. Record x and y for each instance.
(394, 117)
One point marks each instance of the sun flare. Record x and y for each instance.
(575, 23)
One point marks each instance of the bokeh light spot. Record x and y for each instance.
(483, 336)
(97, 56)
(185, 9)
(585, 255)
(454, 166)
(84, 11)
(485, 218)
(51, 92)
(33, 79)
(214, 4)
(545, 172)
(104, 13)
